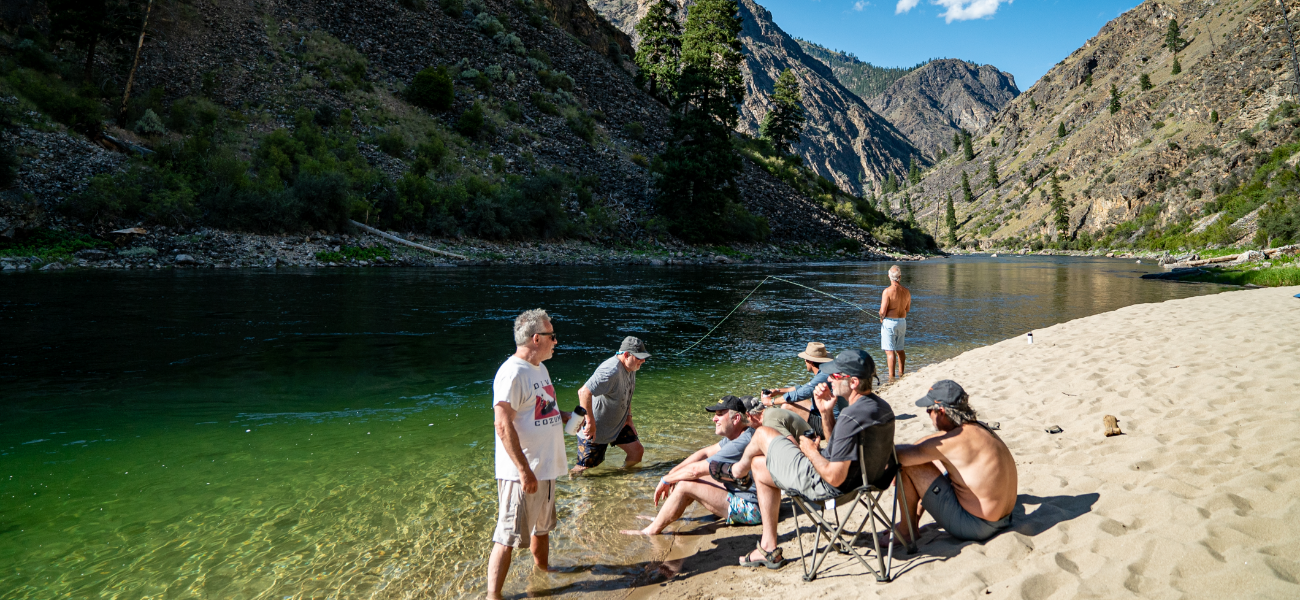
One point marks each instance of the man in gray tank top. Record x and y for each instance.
(607, 398)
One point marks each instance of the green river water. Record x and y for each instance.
(328, 433)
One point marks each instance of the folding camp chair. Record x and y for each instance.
(874, 441)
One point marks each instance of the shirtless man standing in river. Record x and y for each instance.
(895, 303)
(974, 500)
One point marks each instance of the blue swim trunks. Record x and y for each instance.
(741, 511)
(892, 332)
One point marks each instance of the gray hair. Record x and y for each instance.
(960, 414)
(895, 273)
(528, 324)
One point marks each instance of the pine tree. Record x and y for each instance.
(1060, 129)
(891, 184)
(659, 56)
(993, 173)
(1033, 106)
(1058, 207)
(907, 207)
(966, 195)
(1114, 99)
(1174, 37)
(783, 124)
(914, 172)
(967, 150)
(950, 219)
(89, 24)
(956, 141)
(1178, 67)
(1145, 82)
(697, 188)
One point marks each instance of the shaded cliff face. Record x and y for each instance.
(843, 139)
(933, 102)
(1168, 150)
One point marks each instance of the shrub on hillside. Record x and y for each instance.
(635, 130)
(452, 7)
(432, 89)
(9, 164)
(580, 123)
(553, 80)
(392, 143)
(78, 109)
(473, 124)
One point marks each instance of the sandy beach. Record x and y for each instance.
(1198, 498)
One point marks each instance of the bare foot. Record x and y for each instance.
(645, 531)
(547, 568)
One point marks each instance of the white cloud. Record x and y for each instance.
(957, 10)
(860, 4)
(965, 10)
(904, 6)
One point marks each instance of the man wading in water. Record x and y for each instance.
(529, 449)
(607, 398)
(895, 302)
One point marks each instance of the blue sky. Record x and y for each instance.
(1022, 37)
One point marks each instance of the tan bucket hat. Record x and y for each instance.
(817, 353)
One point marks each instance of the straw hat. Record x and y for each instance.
(817, 353)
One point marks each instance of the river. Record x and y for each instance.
(328, 434)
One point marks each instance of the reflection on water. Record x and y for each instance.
(327, 434)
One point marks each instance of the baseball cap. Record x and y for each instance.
(634, 346)
(854, 363)
(944, 393)
(727, 403)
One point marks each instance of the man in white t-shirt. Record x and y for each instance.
(529, 448)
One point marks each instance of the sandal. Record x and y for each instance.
(772, 560)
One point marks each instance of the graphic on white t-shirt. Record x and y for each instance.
(545, 408)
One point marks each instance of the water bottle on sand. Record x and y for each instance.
(571, 428)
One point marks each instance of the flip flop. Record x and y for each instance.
(773, 560)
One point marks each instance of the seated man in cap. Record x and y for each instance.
(778, 464)
(691, 481)
(793, 411)
(974, 500)
(607, 398)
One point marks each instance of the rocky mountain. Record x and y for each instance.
(843, 140)
(1188, 150)
(861, 77)
(546, 87)
(932, 102)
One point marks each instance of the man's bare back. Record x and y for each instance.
(895, 301)
(980, 468)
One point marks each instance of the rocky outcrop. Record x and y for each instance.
(935, 101)
(843, 140)
(1166, 152)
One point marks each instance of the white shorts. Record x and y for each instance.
(520, 515)
(892, 332)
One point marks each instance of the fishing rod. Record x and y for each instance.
(751, 293)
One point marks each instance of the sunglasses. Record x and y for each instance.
(837, 376)
(550, 334)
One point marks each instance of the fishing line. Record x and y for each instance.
(751, 293)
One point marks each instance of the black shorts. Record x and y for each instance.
(591, 454)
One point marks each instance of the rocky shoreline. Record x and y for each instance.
(164, 248)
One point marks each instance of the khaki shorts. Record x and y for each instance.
(520, 515)
(785, 422)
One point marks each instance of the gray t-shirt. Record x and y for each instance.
(869, 411)
(730, 451)
(611, 387)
